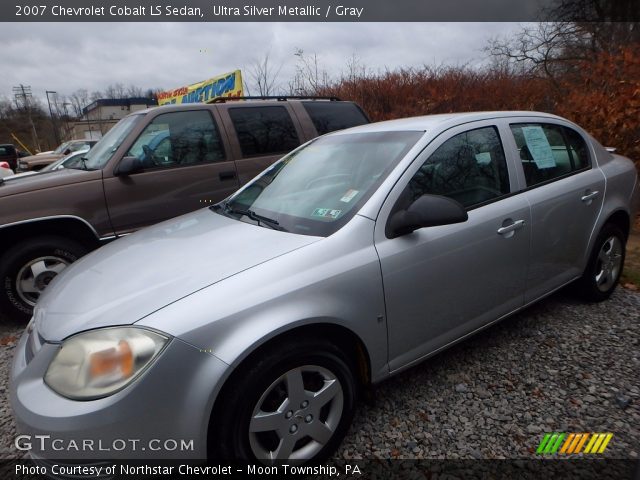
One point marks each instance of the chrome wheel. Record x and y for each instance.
(297, 415)
(34, 277)
(609, 264)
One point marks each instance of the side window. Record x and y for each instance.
(264, 130)
(331, 116)
(469, 167)
(178, 139)
(549, 151)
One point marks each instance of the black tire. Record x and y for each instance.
(14, 303)
(588, 286)
(229, 437)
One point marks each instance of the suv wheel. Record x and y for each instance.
(605, 265)
(27, 269)
(296, 404)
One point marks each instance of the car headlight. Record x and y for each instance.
(100, 362)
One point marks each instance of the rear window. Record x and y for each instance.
(264, 130)
(331, 116)
(6, 150)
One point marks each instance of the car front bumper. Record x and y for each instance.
(163, 414)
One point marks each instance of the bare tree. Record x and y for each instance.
(78, 100)
(134, 91)
(264, 76)
(582, 28)
(310, 77)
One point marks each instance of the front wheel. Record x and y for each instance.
(605, 265)
(28, 268)
(295, 404)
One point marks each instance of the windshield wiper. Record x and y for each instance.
(260, 219)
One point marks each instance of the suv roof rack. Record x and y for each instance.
(279, 98)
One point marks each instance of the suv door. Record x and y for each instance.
(443, 282)
(184, 167)
(260, 135)
(565, 192)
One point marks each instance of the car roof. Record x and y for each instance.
(440, 121)
(179, 106)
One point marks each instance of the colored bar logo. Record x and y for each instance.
(572, 443)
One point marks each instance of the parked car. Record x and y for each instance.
(257, 321)
(5, 170)
(41, 160)
(9, 154)
(153, 165)
(73, 160)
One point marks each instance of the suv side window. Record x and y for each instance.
(178, 139)
(264, 130)
(469, 167)
(549, 151)
(331, 116)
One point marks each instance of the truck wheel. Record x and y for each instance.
(27, 269)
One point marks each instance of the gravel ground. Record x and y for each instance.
(559, 366)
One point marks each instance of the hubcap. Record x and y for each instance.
(609, 264)
(297, 415)
(34, 277)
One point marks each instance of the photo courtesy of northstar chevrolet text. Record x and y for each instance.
(322, 239)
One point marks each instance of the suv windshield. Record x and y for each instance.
(101, 153)
(318, 188)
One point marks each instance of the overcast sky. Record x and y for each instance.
(63, 57)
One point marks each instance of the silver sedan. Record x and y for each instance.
(247, 330)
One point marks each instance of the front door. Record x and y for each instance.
(443, 282)
(184, 167)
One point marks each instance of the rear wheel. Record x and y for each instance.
(605, 265)
(28, 268)
(295, 404)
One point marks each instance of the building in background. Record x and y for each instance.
(99, 116)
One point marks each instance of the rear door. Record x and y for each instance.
(186, 166)
(259, 135)
(565, 190)
(443, 282)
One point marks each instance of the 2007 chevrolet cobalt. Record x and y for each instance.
(246, 330)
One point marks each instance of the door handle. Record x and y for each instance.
(228, 175)
(589, 196)
(517, 225)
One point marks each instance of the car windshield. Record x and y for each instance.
(318, 188)
(102, 151)
(61, 148)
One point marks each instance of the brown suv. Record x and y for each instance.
(152, 165)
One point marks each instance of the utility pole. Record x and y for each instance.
(56, 133)
(22, 95)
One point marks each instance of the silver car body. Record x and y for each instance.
(221, 288)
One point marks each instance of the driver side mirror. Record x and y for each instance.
(426, 211)
(128, 165)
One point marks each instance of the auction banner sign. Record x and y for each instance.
(227, 85)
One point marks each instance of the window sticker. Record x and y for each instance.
(326, 213)
(349, 195)
(483, 158)
(539, 147)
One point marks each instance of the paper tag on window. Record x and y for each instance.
(539, 147)
(483, 158)
(349, 195)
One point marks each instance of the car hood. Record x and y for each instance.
(134, 276)
(43, 157)
(27, 183)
